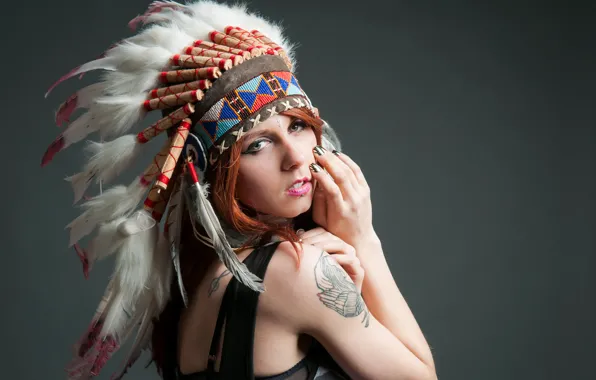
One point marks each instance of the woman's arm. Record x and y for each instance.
(321, 300)
(342, 205)
(385, 301)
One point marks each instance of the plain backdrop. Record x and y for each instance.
(474, 122)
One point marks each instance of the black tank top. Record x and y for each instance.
(239, 310)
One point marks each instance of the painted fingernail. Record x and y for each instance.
(335, 152)
(315, 168)
(319, 150)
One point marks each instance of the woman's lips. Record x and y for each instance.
(303, 189)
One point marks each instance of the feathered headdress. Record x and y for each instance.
(215, 72)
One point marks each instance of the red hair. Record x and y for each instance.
(195, 257)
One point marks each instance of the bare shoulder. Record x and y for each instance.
(289, 267)
(294, 287)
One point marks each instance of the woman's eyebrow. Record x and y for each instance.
(257, 133)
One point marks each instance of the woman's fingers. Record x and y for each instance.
(333, 246)
(341, 174)
(351, 264)
(354, 167)
(331, 189)
(312, 233)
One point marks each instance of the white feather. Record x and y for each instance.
(133, 57)
(134, 263)
(151, 302)
(86, 95)
(113, 115)
(80, 128)
(197, 29)
(141, 342)
(203, 211)
(109, 159)
(83, 98)
(170, 37)
(106, 241)
(134, 267)
(117, 114)
(122, 83)
(79, 183)
(117, 314)
(174, 229)
(113, 203)
(161, 274)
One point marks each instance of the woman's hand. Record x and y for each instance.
(343, 253)
(341, 201)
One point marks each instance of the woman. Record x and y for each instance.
(292, 300)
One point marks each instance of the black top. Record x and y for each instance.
(239, 310)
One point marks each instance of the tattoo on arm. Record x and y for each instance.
(215, 282)
(338, 292)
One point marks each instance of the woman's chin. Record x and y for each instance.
(299, 206)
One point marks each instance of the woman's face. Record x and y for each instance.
(274, 176)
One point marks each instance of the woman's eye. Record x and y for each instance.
(297, 126)
(255, 146)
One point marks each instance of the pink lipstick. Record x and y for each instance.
(300, 187)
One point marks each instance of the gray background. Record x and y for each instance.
(474, 124)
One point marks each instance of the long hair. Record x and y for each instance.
(196, 257)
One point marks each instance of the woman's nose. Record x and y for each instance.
(294, 156)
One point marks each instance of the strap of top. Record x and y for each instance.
(217, 333)
(240, 309)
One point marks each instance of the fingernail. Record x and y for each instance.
(319, 150)
(315, 168)
(335, 152)
(300, 232)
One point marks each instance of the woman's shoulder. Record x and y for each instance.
(290, 261)
(289, 278)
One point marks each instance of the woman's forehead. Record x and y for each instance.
(277, 121)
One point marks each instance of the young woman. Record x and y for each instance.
(306, 292)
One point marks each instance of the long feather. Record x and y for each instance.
(133, 271)
(104, 63)
(152, 301)
(173, 230)
(80, 99)
(204, 212)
